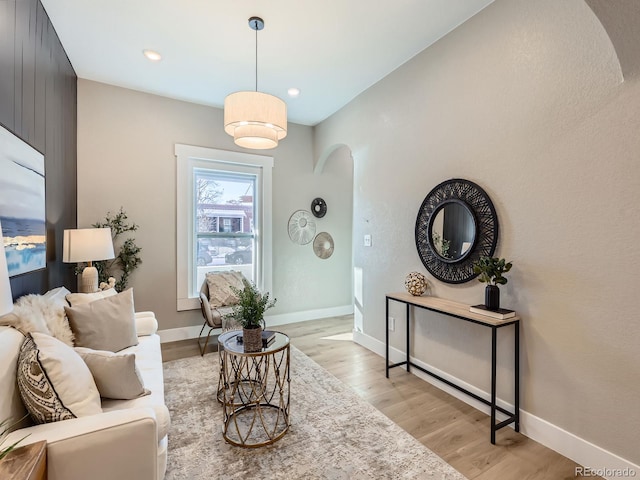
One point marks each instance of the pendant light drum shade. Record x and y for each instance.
(255, 120)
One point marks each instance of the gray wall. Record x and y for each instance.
(38, 104)
(126, 158)
(527, 100)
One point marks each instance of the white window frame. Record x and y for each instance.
(189, 157)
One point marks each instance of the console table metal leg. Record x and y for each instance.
(386, 332)
(494, 332)
(408, 362)
(516, 352)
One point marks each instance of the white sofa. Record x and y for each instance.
(127, 441)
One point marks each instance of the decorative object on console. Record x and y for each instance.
(254, 119)
(128, 258)
(249, 312)
(490, 271)
(23, 221)
(87, 245)
(302, 227)
(6, 299)
(319, 207)
(323, 245)
(456, 225)
(416, 284)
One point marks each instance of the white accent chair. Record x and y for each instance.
(215, 313)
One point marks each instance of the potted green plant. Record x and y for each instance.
(249, 312)
(491, 271)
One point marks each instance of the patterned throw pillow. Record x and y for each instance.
(54, 382)
(220, 283)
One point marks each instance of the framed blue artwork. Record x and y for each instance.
(22, 204)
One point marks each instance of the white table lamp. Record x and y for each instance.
(88, 245)
(6, 300)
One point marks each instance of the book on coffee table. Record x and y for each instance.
(268, 337)
(499, 313)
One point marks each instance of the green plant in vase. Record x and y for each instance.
(127, 257)
(249, 313)
(491, 270)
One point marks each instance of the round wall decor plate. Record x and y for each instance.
(319, 207)
(323, 245)
(302, 227)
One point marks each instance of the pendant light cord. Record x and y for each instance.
(256, 29)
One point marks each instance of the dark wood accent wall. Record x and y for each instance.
(38, 95)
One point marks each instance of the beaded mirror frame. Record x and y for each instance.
(479, 205)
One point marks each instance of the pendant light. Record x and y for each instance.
(255, 120)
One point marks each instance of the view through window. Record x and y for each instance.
(225, 210)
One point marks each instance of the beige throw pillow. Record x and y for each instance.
(54, 383)
(76, 299)
(220, 283)
(115, 374)
(107, 324)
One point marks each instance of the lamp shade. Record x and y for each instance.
(255, 120)
(6, 300)
(87, 245)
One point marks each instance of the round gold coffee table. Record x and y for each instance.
(253, 389)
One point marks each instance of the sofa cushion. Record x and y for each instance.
(76, 299)
(106, 324)
(55, 384)
(219, 284)
(115, 374)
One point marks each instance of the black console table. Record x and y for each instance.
(461, 311)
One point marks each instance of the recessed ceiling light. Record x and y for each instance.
(293, 92)
(152, 55)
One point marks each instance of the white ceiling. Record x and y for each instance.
(331, 50)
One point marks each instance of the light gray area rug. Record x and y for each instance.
(334, 434)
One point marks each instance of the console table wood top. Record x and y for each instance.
(449, 307)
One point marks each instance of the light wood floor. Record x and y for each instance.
(449, 427)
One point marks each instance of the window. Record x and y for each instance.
(223, 218)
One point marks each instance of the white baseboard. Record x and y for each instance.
(182, 333)
(295, 317)
(581, 451)
(186, 333)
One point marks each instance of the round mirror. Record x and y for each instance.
(456, 225)
(452, 231)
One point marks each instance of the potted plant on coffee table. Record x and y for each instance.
(249, 312)
(491, 271)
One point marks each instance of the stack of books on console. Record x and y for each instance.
(499, 313)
